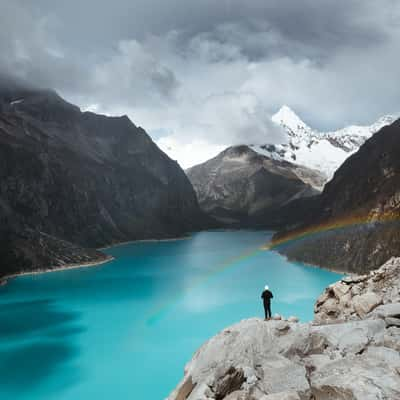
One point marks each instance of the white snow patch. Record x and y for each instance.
(14, 102)
(288, 119)
(323, 151)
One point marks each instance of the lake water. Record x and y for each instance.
(124, 330)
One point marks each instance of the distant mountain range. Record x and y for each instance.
(272, 187)
(246, 184)
(321, 151)
(239, 185)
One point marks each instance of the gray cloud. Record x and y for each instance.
(301, 28)
(210, 72)
(132, 74)
(124, 72)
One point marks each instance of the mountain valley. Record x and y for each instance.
(72, 181)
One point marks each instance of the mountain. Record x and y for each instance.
(321, 151)
(71, 181)
(361, 203)
(239, 185)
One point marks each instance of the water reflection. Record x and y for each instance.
(36, 341)
(25, 317)
(26, 366)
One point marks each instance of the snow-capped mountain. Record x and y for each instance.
(322, 151)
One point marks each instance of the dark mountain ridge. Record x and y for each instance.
(362, 200)
(75, 177)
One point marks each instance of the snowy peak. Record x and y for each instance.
(289, 120)
(352, 137)
(295, 126)
(321, 151)
(381, 122)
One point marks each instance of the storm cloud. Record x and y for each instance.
(202, 75)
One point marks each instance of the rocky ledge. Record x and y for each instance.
(349, 354)
(356, 296)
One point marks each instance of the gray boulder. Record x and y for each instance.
(387, 310)
(369, 376)
(366, 302)
(356, 297)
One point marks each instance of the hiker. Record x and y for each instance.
(267, 296)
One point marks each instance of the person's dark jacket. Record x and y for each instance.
(267, 296)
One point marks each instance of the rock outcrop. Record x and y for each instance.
(71, 181)
(352, 355)
(362, 205)
(239, 186)
(356, 296)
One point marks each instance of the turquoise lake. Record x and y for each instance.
(125, 329)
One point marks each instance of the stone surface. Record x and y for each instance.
(365, 303)
(371, 295)
(369, 376)
(390, 321)
(282, 327)
(336, 361)
(228, 382)
(392, 338)
(282, 396)
(387, 310)
(349, 356)
(186, 389)
(252, 345)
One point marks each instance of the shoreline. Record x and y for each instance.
(117, 244)
(173, 239)
(4, 280)
(343, 273)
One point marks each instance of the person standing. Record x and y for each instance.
(267, 296)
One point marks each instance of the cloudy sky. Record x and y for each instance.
(199, 75)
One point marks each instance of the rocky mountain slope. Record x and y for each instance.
(72, 180)
(321, 151)
(329, 359)
(361, 203)
(239, 184)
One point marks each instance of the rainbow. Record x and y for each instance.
(330, 225)
(158, 312)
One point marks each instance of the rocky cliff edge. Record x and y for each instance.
(350, 351)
